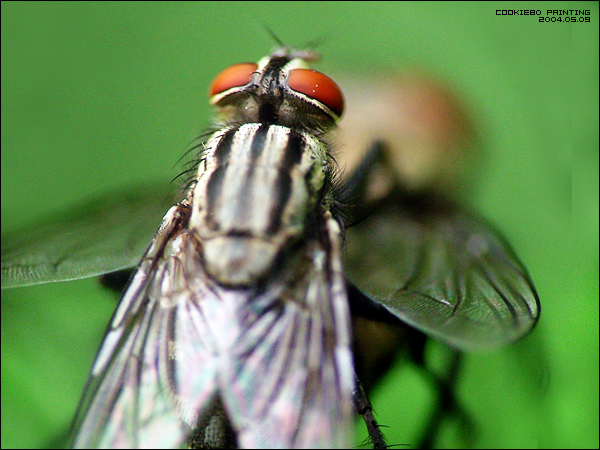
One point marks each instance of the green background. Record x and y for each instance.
(97, 95)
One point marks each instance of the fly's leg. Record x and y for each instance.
(376, 328)
(356, 193)
(116, 281)
(365, 409)
(378, 339)
(447, 405)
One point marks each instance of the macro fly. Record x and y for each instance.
(249, 319)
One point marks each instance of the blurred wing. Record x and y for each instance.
(289, 380)
(100, 236)
(444, 272)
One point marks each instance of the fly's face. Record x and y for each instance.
(280, 89)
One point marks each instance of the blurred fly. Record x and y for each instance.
(248, 321)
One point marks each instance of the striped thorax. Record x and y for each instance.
(266, 169)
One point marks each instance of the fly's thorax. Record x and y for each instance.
(254, 191)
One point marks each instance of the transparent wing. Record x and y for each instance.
(130, 400)
(290, 379)
(442, 271)
(100, 236)
(276, 359)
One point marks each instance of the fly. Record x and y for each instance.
(244, 323)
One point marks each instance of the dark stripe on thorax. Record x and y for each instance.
(258, 143)
(223, 149)
(215, 182)
(252, 199)
(283, 186)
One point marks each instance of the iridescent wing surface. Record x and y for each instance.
(276, 358)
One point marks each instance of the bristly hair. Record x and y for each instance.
(198, 149)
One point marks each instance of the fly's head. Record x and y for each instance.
(280, 89)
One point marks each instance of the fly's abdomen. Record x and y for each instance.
(254, 191)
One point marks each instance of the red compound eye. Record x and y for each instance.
(234, 76)
(317, 86)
